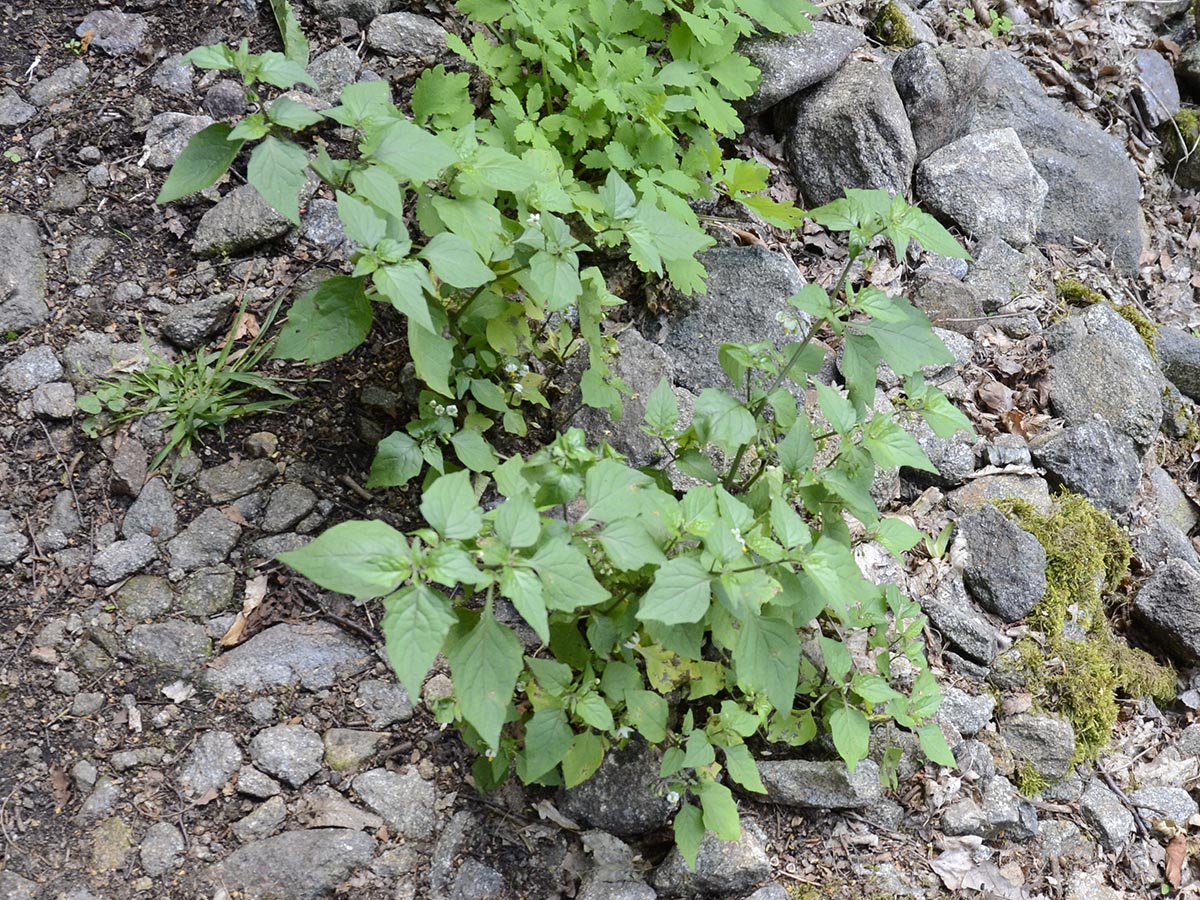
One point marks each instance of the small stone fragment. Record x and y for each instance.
(384, 703)
(59, 84)
(212, 762)
(114, 32)
(254, 783)
(174, 645)
(406, 801)
(120, 559)
(290, 752)
(111, 843)
(152, 513)
(167, 136)
(299, 865)
(236, 478)
(817, 784)
(13, 110)
(1107, 815)
(161, 849)
(263, 820)
(32, 368)
(191, 324)
(347, 748)
(207, 541)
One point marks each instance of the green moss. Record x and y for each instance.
(1146, 329)
(1028, 780)
(1180, 137)
(1081, 666)
(1071, 290)
(891, 28)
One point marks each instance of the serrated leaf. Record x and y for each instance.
(629, 546)
(450, 507)
(292, 115)
(837, 659)
(566, 576)
(836, 409)
(648, 713)
(851, 735)
(484, 665)
(275, 68)
(405, 285)
(492, 169)
(477, 221)
(360, 221)
(206, 158)
(582, 759)
(295, 44)
(277, 171)
(409, 152)
(742, 768)
(891, 446)
(414, 628)
(212, 56)
(432, 356)
(611, 489)
(767, 658)
(662, 409)
(397, 461)
(523, 588)
(363, 559)
(548, 737)
(723, 420)
(680, 594)
(933, 743)
(907, 344)
(443, 99)
(330, 321)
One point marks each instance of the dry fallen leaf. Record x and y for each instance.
(1176, 857)
(86, 39)
(60, 785)
(207, 797)
(256, 592)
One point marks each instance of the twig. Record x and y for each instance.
(1138, 819)
(357, 488)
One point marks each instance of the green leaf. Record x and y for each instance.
(648, 713)
(484, 665)
(292, 115)
(689, 833)
(837, 409)
(548, 737)
(450, 565)
(474, 451)
(789, 528)
(611, 489)
(681, 593)
(442, 99)
(450, 508)
(405, 285)
(582, 759)
(492, 169)
(397, 461)
(593, 710)
(251, 128)
(554, 677)
(277, 171)
(206, 158)
(742, 768)
(360, 221)
(518, 523)
(475, 220)
(767, 658)
(720, 811)
(933, 742)
(362, 559)
(213, 56)
(330, 321)
(432, 356)
(897, 536)
(414, 627)
(722, 420)
(629, 546)
(655, 236)
(522, 587)
(455, 261)
(851, 735)
(891, 446)
(566, 576)
(295, 44)
(837, 659)
(409, 152)
(662, 409)
(796, 451)
(275, 68)
(908, 344)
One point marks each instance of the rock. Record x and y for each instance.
(384, 703)
(59, 84)
(1043, 741)
(991, 488)
(162, 848)
(1187, 70)
(416, 39)
(144, 596)
(968, 714)
(173, 75)
(1166, 502)
(214, 758)
(13, 542)
(120, 559)
(315, 656)
(613, 875)
(819, 784)
(208, 540)
(93, 355)
(69, 192)
(263, 820)
(133, 759)
(272, 546)
(129, 468)
(115, 32)
(14, 887)
(1008, 450)
(792, 62)
(999, 273)
(361, 11)
(771, 891)
(152, 513)
(13, 110)
(722, 867)
(949, 303)
(747, 288)
(55, 400)
(191, 324)
(321, 225)
(954, 458)
(63, 523)
(1002, 814)
(101, 800)
(1160, 542)
(299, 865)
(1179, 357)
(236, 478)
(111, 843)
(622, 798)
(23, 289)
(475, 881)
(952, 614)
(87, 704)
(1007, 568)
(241, 220)
(1168, 605)
(985, 184)
(326, 808)
(404, 800)
(175, 645)
(335, 69)
(254, 783)
(1104, 812)
(1093, 460)
(167, 136)
(850, 131)
(288, 505)
(207, 591)
(1100, 366)
(1170, 804)
(1157, 92)
(347, 749)
(290, 752)
(31, 369)
(261, 444)
(224, 100)
(85, 256)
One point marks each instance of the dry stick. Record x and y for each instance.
(1138, 819)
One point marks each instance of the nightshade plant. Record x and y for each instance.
(701, 619)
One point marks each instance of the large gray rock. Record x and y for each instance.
(990, 488)
(1168, 605)
(1163, 541)
(723, 868)
(1000, 814)
(290, 752)
(361, 11)
(1157, 92)
(59, 84)
(614, 875)
(22, 275)
(1107, 815)
(334, 69)
(1093, 186)
(191, 324)
(622, 797)
(206, 541)
(949, 303)
(13, 110)
(168, 134)
(792, 62)
(1100, 367)
(31, 369)
(241, 220)
(820, 784)
(236, 478)
(850, 131)
(299, 865)
(1007, 568)
(174, 645)
(1170, 804)
(404, 800)
(416, 39)
(314, 656)
(152, 513)
(1045, 742)
(952, 614)
(1164, 501)
(1179, 356)
(114, 32)
(746, 288)
(1093, 460)
(985, 184)
(968, 714)
(212, 762)
(120, 559)
(999, 273)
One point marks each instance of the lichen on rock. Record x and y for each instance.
(892, 29)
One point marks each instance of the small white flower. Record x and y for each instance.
(452, 410)
(440, 410)
(510, 367)
(633, 641)
(520, 389)
(490, 754)
(624, 731)
(524, 370)
(672, 796)
(534, 219)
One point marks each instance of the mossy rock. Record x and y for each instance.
(1181, 148)
(1073, 291)
(892, 28)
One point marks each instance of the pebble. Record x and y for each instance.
(130, 464)
(161, 849)
(174, 75)
(236, 478)
(121, 559)
(68, 193)
(384, 702)
(175, 645)
(290, 752)
(406, 801)
(264, 820)
(254, 783)
(31, 369)
(55, 400)
(212, 762)
(208, 540)
(116, 32)
(347, 748)
(152, 513)
(13, 110)
(59, 84)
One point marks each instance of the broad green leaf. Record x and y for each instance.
(206, 158)
(548, 736)
(397, 461)
(473, 451)
(360, 221)
(552, 676)
(518, 523)
(477, 221)
(375, 185)
(492, 169)
(553, 280)
(836, 409)
(275, 68)
(611, 489)
(933, 742)
(837, 659)
(362, 559)
(295, 44)
(655, 236)
(450, 508)
(455, 261)
(277, 171)
(897, 535)
(797, 449)
(484, 665)
(414, 627)
(892, 447)
(662, 409)
(409, 152)
(433, 357)
(212, 56)
(488, 394)
(522, 587)
(566, 576)
(689, 833)
(742, 768)
(648, 713)
(851, 735)
(908, 345)
(362, 101)
(582, 759)
(629, 546)
(720, 811)
(767, 658)
(722, 420)
(251, 128)
(789, 528)
(405, 286)
(593, 710)
(448, 564)
(292, 115)
(442, 99)
(681, 593)
(330, 321)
